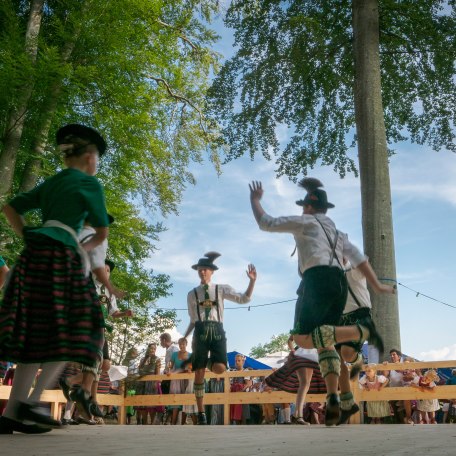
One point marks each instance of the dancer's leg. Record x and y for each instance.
(24, 377)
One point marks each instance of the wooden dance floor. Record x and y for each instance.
(278, 440)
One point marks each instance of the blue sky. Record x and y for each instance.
(215, 214)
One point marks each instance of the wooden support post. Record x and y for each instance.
(226, 404)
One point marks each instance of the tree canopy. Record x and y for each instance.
(138, 71)
(277, 343)
(294, 69)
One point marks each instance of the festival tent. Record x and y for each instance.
(249, 363)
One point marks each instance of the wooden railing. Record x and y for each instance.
(56, 398)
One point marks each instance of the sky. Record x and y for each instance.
(215, 214)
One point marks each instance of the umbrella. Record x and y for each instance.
(117, 373)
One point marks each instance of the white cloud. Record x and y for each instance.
(438, 354)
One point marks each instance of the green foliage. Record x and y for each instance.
(293, 73)
(137, 70)
(138, 331)
(277, 343)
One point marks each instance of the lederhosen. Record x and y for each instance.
(356, 317)
(322, 294)
(209, 336)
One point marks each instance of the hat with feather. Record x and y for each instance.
(315, 197)
(208, 261)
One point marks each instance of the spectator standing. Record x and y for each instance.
(150, 364)
(371, 381)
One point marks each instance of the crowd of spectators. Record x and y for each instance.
(178, 359)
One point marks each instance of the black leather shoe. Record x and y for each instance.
(94, 410)
(8, 426)
(82, 420)
(346, 414)
(69, 422)
(374, 337)
(332, 413)
(82, 399)
(65, 388)
(30, 412)
(202, 420)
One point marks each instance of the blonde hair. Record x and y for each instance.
(371, 366)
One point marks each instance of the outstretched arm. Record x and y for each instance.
(256, 193)
(372, 279)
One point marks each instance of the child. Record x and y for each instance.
(50, 312)
(427, 382)
(376, 410)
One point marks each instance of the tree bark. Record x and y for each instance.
(373, 165)
(15, 124)
(33, 166)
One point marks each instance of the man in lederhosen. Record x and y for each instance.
(205, 308)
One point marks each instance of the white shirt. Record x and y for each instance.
(169, 352)
(224, 292)
(97, 255)
(358, 284)
(311, 241)
(102, 290)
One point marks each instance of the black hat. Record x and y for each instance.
(111, 264)
(83, 132)
(315, 197)
(207, 261)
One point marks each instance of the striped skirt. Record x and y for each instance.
(286, 379)
(50, 310)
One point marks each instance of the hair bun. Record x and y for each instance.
(310, 184)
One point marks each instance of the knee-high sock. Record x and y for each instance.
(324, 336)
(24, 377)
(346, 401)
(68, 410)
(329, 362)
(50, 372)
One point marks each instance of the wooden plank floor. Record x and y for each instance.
(378, 440)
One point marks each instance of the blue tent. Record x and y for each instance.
(250, 363)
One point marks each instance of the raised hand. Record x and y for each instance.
(256, 190)
(251, 272)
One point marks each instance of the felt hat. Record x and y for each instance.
(83, 132)
(208, 261)
(315, 197)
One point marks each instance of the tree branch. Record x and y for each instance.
(181, 99)
(182, 36)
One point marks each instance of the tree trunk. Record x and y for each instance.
(373, 165)
(33, 166)
(15, 124)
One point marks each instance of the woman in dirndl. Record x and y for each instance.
(50, 312)
(149, 365)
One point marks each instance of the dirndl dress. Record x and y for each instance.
(285, 378)
(50, 310)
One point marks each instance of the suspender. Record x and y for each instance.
(198, 303)
(333, 246)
